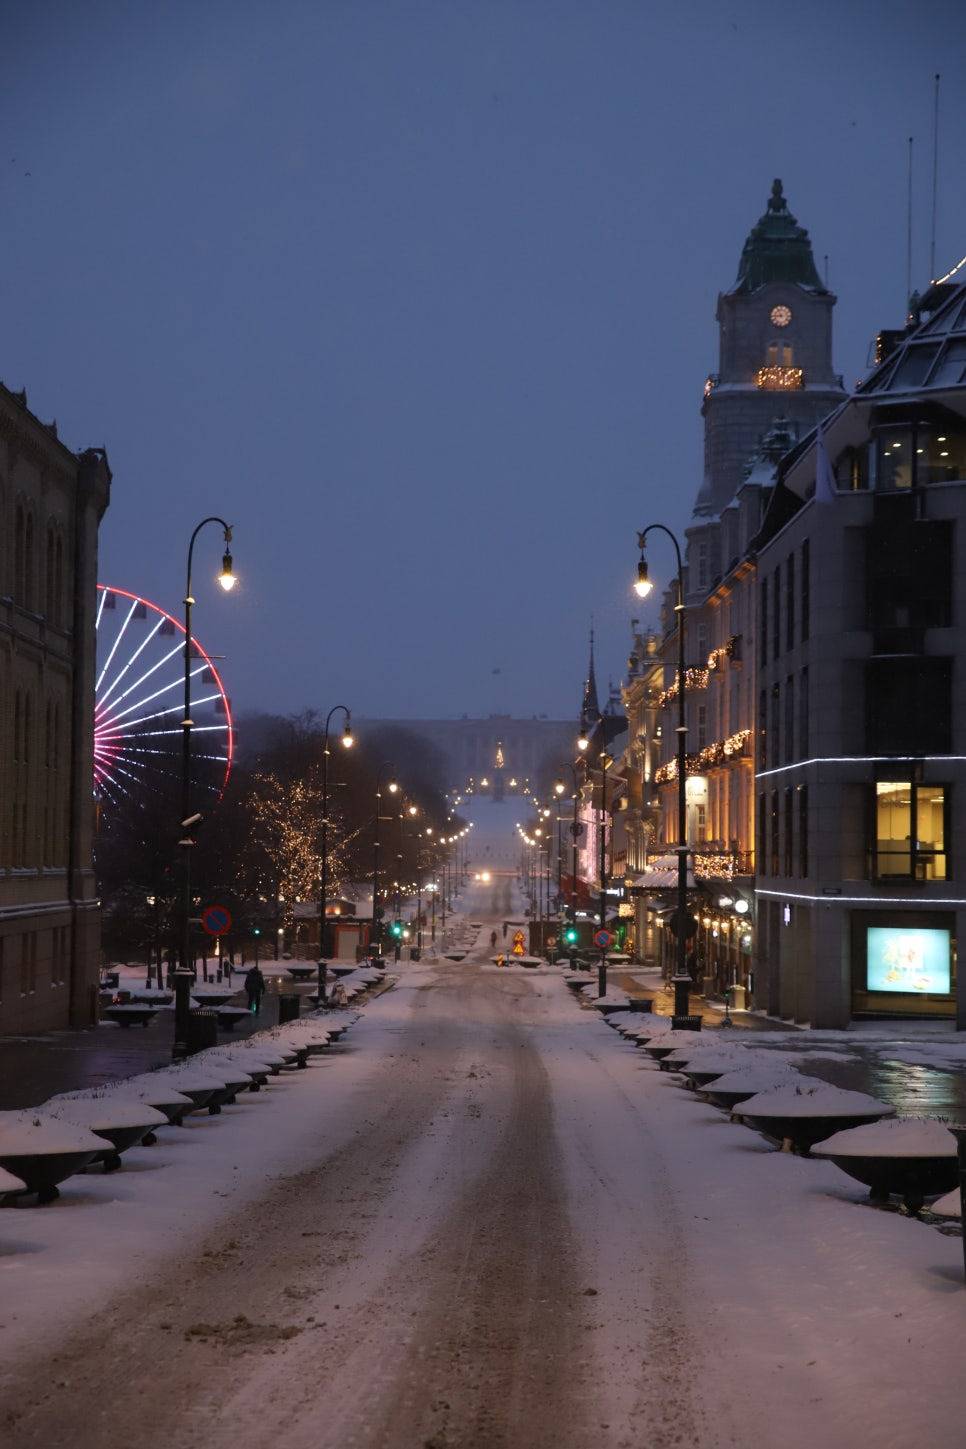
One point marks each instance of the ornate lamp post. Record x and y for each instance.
(348, 739)
(642, 587)
(189, 818)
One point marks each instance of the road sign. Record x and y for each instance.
(603, 939)
(216, 920)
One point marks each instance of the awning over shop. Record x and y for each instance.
(661, 874)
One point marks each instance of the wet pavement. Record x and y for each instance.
(33, 1068)
(852, 1062)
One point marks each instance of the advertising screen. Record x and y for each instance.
(912, 960)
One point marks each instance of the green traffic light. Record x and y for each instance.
(570, 935)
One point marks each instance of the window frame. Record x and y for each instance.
(917, 856)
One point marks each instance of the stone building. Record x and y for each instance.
(861, 765)
(497, 748)
(51, 502)
(775, 381)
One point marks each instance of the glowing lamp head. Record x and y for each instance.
(642, 584)
(414, 809)
(583, 743)
(393, 787)
(348, 738)
(227, 577)
(558, 787)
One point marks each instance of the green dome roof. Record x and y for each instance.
(777, 250)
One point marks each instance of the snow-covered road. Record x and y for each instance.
(496, 1225)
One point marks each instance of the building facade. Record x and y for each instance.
(775, 381)
(861, 767)
(51, 502)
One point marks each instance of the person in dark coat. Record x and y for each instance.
(254, 989)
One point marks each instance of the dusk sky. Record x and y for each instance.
(420, 297)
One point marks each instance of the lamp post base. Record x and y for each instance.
(602, 977)
(682, 991)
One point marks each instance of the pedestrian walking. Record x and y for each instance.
(492, 940)
(254, 989)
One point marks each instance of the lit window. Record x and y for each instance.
(910, 831)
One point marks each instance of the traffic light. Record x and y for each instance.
(396, 929)
(256, 930)
(571, 935)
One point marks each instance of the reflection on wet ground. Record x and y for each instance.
(914, 1091)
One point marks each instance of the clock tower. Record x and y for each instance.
(775, 352)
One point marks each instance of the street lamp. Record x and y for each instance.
(393, 788)
(190, 818)
(642, 587)
(348, 740)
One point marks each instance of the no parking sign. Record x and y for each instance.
(216, 920)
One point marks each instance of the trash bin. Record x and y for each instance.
(686, 1023)
(288, 1007)
(640, 1003)
(415, 953)
(202, 1030)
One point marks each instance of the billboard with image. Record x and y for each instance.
(912, 960)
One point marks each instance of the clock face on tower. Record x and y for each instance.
(781, 315)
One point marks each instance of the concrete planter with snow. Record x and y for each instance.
(742, 1081)
(800, 1116)
(167, 1100)
(698, 1070)
(123, 1121)
(43, 1152)
(912, 1159)
(129, 1014)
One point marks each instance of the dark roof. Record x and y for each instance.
(777, 250)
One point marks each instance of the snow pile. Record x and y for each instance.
(9, 1183)
(31, 1133)
(813, 1101)
(891, 1137)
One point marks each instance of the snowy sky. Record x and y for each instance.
(420, 295)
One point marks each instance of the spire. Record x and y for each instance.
(590, 708)
(777, 250)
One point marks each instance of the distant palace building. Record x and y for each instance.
(51, 502)
(470, 747)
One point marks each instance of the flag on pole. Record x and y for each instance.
(825, 489)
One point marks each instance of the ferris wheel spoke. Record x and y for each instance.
(179, 678)
(165, 689)
(120, 635)
(138, 651)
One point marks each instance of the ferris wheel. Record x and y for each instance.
(139, 704)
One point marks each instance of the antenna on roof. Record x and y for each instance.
(909, 230)
(935, 179)
(825, 261)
